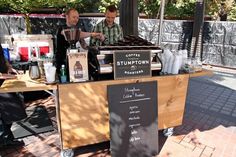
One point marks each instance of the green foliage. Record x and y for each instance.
(212, 8)
(173, 8)
(149, 7)
(88, 6)
(2, 2)
(232, 13)
(81, 5)
(27, 6)
(180, 9)
(105, 3)
(3, 6)
(24, 6)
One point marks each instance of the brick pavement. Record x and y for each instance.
(209, 125)
(208, 130)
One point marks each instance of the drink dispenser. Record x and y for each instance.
(34, 71)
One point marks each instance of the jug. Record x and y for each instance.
(34, 71)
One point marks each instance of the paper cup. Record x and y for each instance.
(50, 73)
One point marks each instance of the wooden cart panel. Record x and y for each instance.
(83, 108)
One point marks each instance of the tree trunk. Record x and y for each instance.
(28, 24)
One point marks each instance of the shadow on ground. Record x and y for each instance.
(210, 103)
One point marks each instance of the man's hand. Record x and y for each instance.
(99, 36)
(14, 71)
(7, 76)
(102, 37)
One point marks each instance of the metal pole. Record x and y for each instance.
(161, 21)
(129, 17)
(197, 28)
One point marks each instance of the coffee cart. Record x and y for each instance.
(83, 107)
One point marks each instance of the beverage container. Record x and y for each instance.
(176, 64)
(34, 71)
(63, 75)
(170, 63)
(50, 72)
(6, 52)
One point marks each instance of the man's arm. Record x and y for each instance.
(94, 35)
(94, 41)
(11, 72)
(7, 76)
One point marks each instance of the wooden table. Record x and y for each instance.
(82, 108)
(84, 115)
(23, 83)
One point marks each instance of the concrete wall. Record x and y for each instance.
(219, 38)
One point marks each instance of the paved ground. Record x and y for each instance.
(209, 126)
(208, 130)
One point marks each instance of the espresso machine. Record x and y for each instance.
(101, 65)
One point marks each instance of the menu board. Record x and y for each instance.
(132, 63)
(133, 119)
(78, 66)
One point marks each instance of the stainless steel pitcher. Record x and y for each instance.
(34, 71)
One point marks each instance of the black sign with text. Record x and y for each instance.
(132, 64)
(133, 119)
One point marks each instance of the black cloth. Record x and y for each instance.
(93, 64)
(11, 106)
(3, 64)
(5, 133)
(61, 47)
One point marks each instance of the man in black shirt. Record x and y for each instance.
(72, 18)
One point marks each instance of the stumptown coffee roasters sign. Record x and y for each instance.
(132, 64)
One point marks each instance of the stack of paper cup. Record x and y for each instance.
(166, 56)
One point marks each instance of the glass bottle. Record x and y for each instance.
(63, 75)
